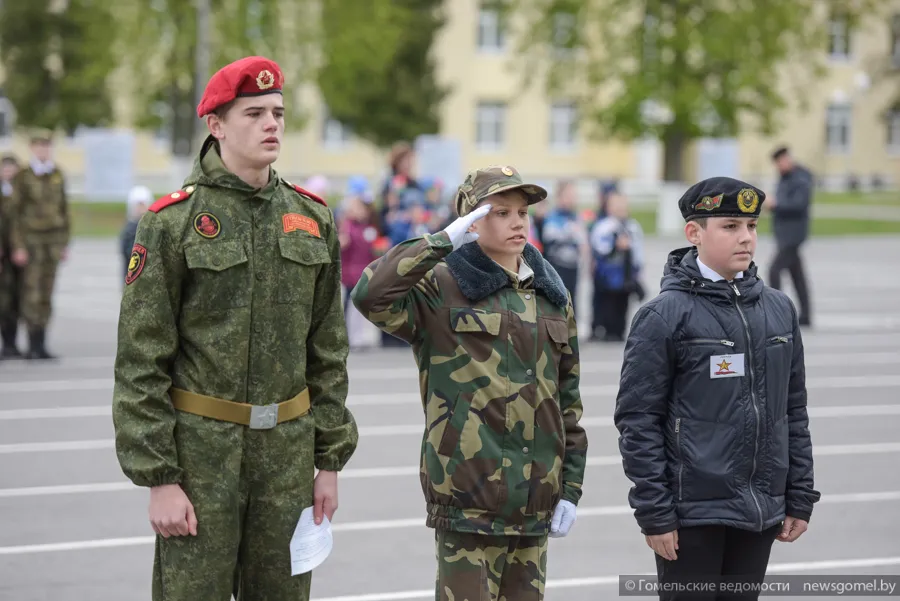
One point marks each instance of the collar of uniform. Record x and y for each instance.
(212, 168)
(709, 274)
(40, 168)
(478, 276)
(521, 278)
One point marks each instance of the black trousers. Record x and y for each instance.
(613, 312)
(709, 552)
(788, 257)
(569, 277)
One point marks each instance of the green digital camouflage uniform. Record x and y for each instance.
(40, 225)
(224, 299)
(10, 280)
(499, 373)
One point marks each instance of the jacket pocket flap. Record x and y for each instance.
(215, 256)
(475, 320)
(306, 250)
(558, 331)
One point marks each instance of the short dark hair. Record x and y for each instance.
(701, 221)
(9, 159)
(779, 152)
(222, 110)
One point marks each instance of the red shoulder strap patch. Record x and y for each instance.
(310, 194)
(170, 199)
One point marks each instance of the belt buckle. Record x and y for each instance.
(263, 417)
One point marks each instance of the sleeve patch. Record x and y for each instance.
(136, 263)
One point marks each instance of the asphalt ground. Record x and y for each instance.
(71, 527)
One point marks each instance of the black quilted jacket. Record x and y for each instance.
(711, 408)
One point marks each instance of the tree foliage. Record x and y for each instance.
(158, 43)
(56, 63)
(377, 73)
(678, 69)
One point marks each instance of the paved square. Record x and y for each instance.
(74, 529)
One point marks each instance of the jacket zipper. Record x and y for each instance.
(737, 305)
(680, 460)
(708, 341)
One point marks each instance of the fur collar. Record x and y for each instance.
(479, 276)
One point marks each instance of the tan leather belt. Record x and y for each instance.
(256, 417)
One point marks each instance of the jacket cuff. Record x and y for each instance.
(799, 514)
(651, 531)
(161, 478)
(571, 493)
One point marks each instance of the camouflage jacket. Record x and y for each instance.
(38, 208)
(233, 293)
(499, 375)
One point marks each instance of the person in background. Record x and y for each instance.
(139, 200)
(357, 234)
(790, 224)
(564, 236)
(318, 185)
(618, 255)
(10, 273)
(597, 301)
(398, 195)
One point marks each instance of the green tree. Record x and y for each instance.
(158, 43)
(678, 69)
(377, 72)
(57, 63)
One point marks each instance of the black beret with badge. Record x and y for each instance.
(721, 197)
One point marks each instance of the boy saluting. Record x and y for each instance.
(712, 403)
(493, 331)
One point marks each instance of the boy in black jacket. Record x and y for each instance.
(712, 404)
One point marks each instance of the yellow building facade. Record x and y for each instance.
(847, 128)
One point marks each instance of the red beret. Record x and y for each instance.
(250, 76)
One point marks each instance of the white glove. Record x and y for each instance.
(458, 230)
(563, 518)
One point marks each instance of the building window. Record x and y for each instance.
(490, 27)
(893, 130)
(839, 37)
(491, 125)
(564, 30)
(334, 133)
(563, 125)
(838, 120)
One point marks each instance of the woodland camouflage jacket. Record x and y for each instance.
(499, 373)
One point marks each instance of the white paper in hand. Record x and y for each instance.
(311, 544)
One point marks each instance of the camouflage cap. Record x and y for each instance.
(486, 181)
(40, 134)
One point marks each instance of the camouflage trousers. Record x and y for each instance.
(478, 567)
(248, 488)
(38, 280)
(10, 291)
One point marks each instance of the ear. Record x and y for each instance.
(214, 123)
(692, 232)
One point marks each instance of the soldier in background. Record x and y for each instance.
(40, 237)
(10, 273)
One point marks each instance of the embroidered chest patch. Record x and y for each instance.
(293, 222)
(726, 366)
(207, 225)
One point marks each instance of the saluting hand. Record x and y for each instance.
(458, 231)
(171, 513)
